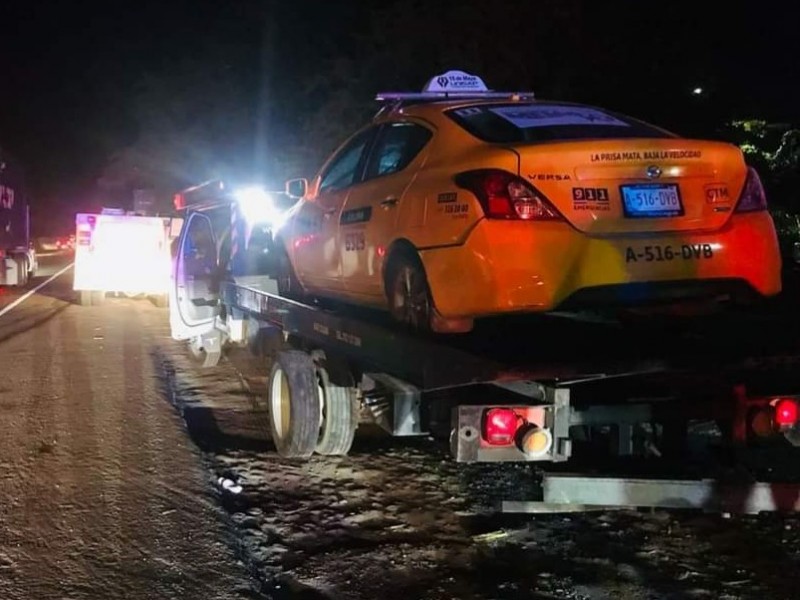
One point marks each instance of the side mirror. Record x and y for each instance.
(296, 188)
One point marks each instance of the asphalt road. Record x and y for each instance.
(102, 494)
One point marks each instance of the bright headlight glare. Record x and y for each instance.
(257, 206)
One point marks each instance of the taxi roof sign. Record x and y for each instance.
(452, 84)
(455, 81)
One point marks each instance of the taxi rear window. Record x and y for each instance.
(540, 122)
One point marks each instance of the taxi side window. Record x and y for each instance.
(397, 145)
(345, 169)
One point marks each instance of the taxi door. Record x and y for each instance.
(193, 291)
(316, 236)
(369, 221)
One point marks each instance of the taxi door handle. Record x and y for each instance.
(389, 202)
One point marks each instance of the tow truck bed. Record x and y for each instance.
(554, 349)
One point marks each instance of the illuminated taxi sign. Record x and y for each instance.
(452, 84)
(455, 81)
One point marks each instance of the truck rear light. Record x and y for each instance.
(785, 412)
(534, 441)
(753, 197)
(500, 426)
(503, 195)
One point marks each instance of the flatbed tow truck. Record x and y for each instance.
(558, 391)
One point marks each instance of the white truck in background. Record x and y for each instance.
(19, 261)
(121, 253)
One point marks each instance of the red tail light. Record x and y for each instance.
(499, 426)
(506, 196)
(786, 412)
(753, 197)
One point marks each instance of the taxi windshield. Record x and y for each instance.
(507, 123)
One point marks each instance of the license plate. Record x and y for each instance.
(650, 200)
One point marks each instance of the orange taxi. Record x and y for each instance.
(458, 203)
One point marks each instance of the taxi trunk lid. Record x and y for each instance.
(637, 185)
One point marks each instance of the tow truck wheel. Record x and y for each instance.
(294, 404)
(408, 293)
(338, 411)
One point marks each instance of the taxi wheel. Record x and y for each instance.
(408, 293)
(288, 284)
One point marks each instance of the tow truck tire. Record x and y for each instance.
(294, 404)
(339, 411)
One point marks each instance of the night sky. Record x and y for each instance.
(71, 71)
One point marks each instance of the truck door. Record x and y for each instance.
(193, 288)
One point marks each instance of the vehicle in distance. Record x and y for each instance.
(459, 203)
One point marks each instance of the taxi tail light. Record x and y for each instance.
(505, 196)
(500, 426)
(753, 197)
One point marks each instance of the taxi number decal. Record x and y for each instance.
(669, 253)
(354, 242)
(356, 215)
(456, 209)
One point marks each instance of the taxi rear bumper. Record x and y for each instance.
(515, 266)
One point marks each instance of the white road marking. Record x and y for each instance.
(30, 293)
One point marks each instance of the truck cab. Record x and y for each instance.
(227, 237)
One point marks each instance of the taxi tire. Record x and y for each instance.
(406, 270)
(293, 387)
(288, 284)
(339, 411)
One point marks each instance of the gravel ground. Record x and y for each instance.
(398, 519)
